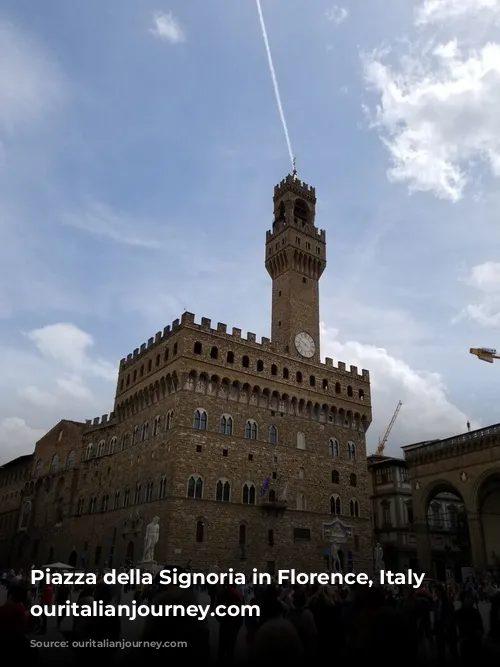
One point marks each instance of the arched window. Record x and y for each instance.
(137, 496)
(301, 502)
(214, 353)
(92, 505)
(162, 491)
(25, 516)
(251, 430)
(333, 448)
(335, 477)
(245, 362)
(149, 492)
(274, 370)
(223, 491)
(156, 425)
(195, 487)
(81, 506)
(54, 464)
(200, 420)
(301, 441)
(226, 425)
(104, 503)
(273, 435)
(354, 508)
(335, 505)
(200, 531)
(349, 391)
(301, 211)
(197, 349)
(71, 460)
(301, 473)
(145, 431)
(169, 421)
(351, 451)
(116, 504)
(112, 444)
(126, 498)
(38, 468)
(353, 480)
(260, 365)
(89, 452)
(101, 448)
(248, 496)
(135, 437)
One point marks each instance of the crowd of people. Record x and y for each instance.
(437, 624)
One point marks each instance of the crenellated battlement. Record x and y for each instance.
(297, 186)
(100, 422)
(205, 325)
(320, 234)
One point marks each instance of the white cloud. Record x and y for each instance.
(485, 280)
(68, 345)
(437, 105)
(427, 412)
(60, 379)
(434, 11)
(168, 28)
(17, 438)
(337, 14)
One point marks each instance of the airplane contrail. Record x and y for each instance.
(275, 82)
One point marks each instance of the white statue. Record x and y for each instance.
(336, 565)
(378, 555)
(151, 540)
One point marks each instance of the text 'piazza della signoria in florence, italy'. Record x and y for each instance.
(226, 451)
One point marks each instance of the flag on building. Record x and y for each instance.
(265, 486)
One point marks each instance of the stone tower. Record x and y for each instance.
(295, 260)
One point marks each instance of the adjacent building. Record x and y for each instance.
(13, 476)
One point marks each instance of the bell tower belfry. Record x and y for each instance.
(295, 260)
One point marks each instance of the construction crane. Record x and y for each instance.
(382, 442)
(487, 354)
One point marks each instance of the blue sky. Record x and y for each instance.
(139, 146)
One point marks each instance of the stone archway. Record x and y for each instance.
(448, 547)
(487, 501)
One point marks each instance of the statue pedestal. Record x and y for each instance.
(149, 566)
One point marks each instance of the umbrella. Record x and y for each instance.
(59, 566)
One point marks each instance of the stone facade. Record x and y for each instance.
(251, 454)
(13, 476)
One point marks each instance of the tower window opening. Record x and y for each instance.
(214, 353)
(245, 362)
(304, 280)
(286, 374)
(197, 348)
(301, 211)
(230, 357)
(299, 376)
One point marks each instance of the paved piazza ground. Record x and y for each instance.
(131, 630)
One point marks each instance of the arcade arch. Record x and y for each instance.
(487, 499)
(447, 532)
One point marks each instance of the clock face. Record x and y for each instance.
(305, 344)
